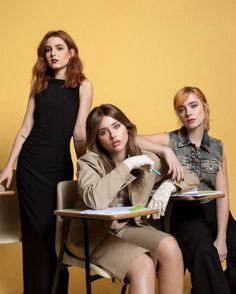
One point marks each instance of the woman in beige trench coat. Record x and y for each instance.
(115, 172)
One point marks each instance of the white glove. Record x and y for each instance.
(139, 161)
(160, 198)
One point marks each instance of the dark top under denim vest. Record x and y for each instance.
(203, 161)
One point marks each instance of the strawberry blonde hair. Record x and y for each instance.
(41, 73)
(182, 95)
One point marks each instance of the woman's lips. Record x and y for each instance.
(190, 121)
(115, 143)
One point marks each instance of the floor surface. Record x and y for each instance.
(11, 275)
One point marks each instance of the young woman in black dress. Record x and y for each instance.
(59, 102)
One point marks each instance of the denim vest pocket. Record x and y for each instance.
(185, 161)
(209, 166)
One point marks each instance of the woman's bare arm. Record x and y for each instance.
(79, 133)
(6, 174)
(159, 143)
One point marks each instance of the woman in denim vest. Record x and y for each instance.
(206, 231)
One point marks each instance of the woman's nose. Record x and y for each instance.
(188, 112)
(53, 53)
(112, 134)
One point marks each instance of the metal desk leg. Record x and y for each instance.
(87, 257)
(165, 220)
(60, 258)
(163, 224)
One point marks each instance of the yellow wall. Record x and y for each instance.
(137, 54)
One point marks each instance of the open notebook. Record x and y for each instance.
(115, 210)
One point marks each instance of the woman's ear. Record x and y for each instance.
(72, 52)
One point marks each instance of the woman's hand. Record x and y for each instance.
(221, 247)
(6, 175)
(139, 161)
(160, 198)
(175, 167)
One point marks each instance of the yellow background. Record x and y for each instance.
(137, 53)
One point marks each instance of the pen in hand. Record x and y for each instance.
(156, 172)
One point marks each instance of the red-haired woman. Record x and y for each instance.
(206, 231)
(59, 102)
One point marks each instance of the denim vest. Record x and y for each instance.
(203, 161)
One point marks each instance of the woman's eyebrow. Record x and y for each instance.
(49, 46)
(191, 102)
(106, 128)
(102, 129)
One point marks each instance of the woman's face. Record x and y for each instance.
(113, 136)
(57, 54)
(191, 113)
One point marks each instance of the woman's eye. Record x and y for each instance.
(116, 126)
(194, 105)
(181, 110)
(102, 133)
(60, 48)
(46, 50)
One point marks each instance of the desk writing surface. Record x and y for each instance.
(197, 195)
(76, 213)
(7, 192)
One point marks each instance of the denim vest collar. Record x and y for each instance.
(183, 139)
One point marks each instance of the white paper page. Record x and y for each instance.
(112, 210)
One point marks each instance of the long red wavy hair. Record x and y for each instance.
(41, 73)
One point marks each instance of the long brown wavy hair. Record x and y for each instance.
(183, 95)
(42, 73)
(92, 127)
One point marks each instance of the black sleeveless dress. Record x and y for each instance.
(45, 160)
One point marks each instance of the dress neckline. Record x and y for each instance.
(58, 80)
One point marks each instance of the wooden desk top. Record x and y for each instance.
(7, 192)
(198, 198)
(75, 213)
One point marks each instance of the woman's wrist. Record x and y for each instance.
(161, 150)
(221, 236)
(9, 166)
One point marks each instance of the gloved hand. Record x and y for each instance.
(160, 198)
(139, 161)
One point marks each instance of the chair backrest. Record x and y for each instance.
(67, 195)
(10, 230)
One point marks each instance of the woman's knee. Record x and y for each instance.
(141, 266)
(168, 250)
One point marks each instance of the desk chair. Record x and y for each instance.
(10, 230)
(67, 195)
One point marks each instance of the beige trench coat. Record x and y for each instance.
(97, 190)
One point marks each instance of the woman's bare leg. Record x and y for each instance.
(141, 275)
(170, 270)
